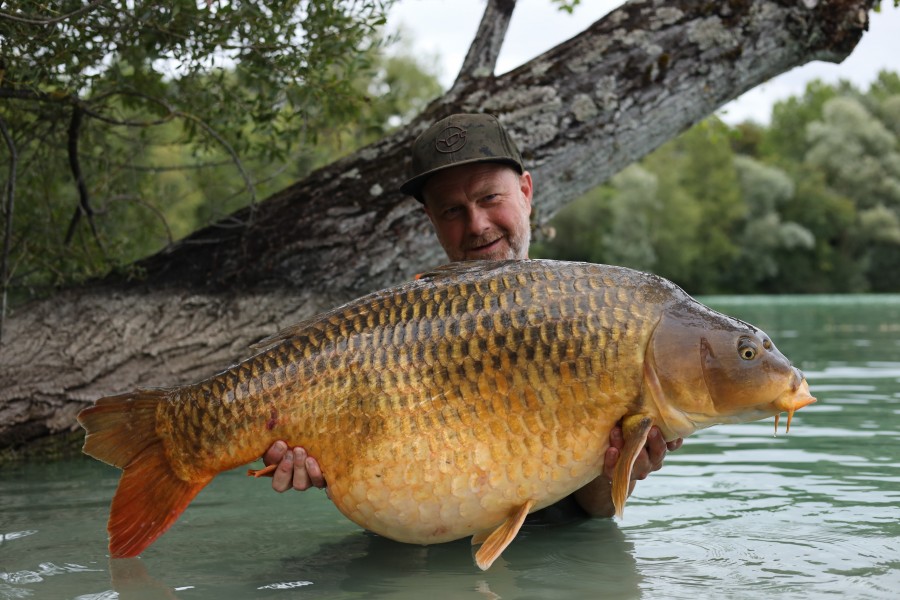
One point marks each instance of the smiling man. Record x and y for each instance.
(470, 178)
(480, 212)
(469, 175)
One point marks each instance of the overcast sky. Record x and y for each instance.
(443, 29)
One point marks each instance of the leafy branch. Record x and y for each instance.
(50, 20)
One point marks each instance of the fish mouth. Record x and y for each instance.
(793, 400)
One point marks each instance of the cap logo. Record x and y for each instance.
(450, 139)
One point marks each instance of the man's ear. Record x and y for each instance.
(527, 188)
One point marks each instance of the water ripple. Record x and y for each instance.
(14, 535)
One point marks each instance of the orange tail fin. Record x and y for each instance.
(121, 431)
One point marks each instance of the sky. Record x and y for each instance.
(441, 30)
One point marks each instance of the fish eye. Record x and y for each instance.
(747, 349)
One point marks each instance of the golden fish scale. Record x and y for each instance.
(437, 407)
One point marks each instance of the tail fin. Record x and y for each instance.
(121, 431)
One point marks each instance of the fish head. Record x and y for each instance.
(706, 368)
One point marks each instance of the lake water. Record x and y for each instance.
(736, 513)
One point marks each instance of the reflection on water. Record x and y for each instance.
(736, 513)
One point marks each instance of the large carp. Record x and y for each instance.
(453, 405)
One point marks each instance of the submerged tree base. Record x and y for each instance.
(44, 448)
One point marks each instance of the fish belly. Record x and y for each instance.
(448, 482)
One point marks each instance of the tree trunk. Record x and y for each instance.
(580, 113)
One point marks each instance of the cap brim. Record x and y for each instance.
(413, 187)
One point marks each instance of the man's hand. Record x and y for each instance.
(596, 497)
(295, 469)
(650, 459)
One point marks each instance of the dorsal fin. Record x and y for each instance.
(362, 306)
(465, 267)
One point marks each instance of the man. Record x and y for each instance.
(470, 178)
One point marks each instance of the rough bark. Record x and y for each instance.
(481, 60)
(580, 113)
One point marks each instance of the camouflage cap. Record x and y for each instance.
(459, 139)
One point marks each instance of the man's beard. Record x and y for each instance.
(518, 241)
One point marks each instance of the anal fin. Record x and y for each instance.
(635, 429)
(480, 537)
(501, 537)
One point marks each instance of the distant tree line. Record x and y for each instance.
(809, 203)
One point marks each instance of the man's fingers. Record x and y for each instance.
(656, 449)
(609, 462)
(275, 453)
(314, 472)
(651, 456)
(284, 474)
(295, 470)
(301, 477)
(616, 438)
(642, 466)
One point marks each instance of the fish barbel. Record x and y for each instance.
(452, 405)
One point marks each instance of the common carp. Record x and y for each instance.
(452, 405)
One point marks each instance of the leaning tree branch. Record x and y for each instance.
(481, 59)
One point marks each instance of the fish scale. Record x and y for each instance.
(449, 406)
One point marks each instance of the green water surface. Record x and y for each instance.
(736, 513)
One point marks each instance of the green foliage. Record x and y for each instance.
(878, 5)
(810, 203)
(571, 240)
(188, 111)
(786, 136)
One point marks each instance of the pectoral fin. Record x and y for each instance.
(268, 471)
(501, 537)
(635, 429)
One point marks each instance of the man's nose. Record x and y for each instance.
(477, 220)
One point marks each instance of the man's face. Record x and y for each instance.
(480, 211)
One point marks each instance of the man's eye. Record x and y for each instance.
(452, 212)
